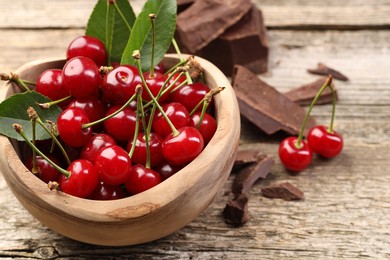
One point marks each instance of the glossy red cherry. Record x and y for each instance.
(69, 125)
(190, 95)
(104, 191)
(208, 126)
(166, 170)
(154, 83)
(82, 181)
(325, 143)
(178, 115)
(95, 143)
(50, 84)
(139, 155)
(184, 147)
(88, 46)
(46, 172)
(81, 77)
(295, 158)
(121, 126)
(92, 106)
(118, 85)
(114, 165)
(141, 179)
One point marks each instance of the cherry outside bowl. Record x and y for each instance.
(144, 217)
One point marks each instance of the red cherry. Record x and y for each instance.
(69, 125)
(88, 46)
(190, 95)
(208, 126)
(178, 115)
(325, 143)
(122, 125)
(155, 84)
(104, 191)
(184, 147)
(139, 155)
(50, 84)
(292, 157)
(141, 179)
(81, 77)
(46, 172)
(114, 165)
(166, 170)
(97, 142)
(82, 181)
(118, 85)
(92, 106)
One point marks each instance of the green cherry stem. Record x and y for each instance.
(207, 98)
(32, 113)
(147, 131)
(137, 58)
(34, 154)
(327, 83)
(152, 21)
(138, 92)
(12, 77)
(19, 129)
(334, 100)
(47, 105)
(177, 49)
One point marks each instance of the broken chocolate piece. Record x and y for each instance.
(285, 191)
(244, 43)
(205, 20)
(265, 107)
(305, 94)
(322, 69)
(246, 156)
(236, 211)
(183, 4)
(245, 179)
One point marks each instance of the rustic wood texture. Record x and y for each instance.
(344, 214)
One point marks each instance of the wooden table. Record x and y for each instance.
(345, 213)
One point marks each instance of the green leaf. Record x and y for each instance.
(140, 37)
(118, 31)
(14, 110)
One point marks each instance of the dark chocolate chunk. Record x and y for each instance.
(285, 191)
(305, 94)
(236, 211)
(244, 43)
(322, 69)
(266, 107)
(246, 156)
(245, 179)
(205, 20)
(183, 4)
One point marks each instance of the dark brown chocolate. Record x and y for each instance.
(245, 179)
(244, 43)
(322, 69)
(285, 191)
(236, 211)
(205, 20)
(183, 4)
(305, 94)
(265, 107)
(246, 156)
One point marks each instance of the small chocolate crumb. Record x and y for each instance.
(285, 191)
(305, 94)
(236, 211)
(322, 69)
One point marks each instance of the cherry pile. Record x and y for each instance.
(122, 131)
(296, 154)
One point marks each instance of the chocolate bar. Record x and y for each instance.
(265, 107)
(285, 191)
(236, 211)
(322, 69)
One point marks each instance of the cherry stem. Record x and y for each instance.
(146, 132)
(327, 83)
(122, 16)
(19, 129)
(208, 97)
(137, 58)
(34, 154)
(110, 115)
(35, 117)
(12, 77)
(177, 49)
(152, 20)
(47, 105)
(138, 92)
(334, 100)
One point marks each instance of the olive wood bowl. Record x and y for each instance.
(141, 218)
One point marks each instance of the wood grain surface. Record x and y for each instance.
(345, 212)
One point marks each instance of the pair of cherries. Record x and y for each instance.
(101, 121)
(296, 154)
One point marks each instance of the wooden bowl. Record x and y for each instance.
(144, 217)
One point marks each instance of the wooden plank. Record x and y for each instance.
(278, 14)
